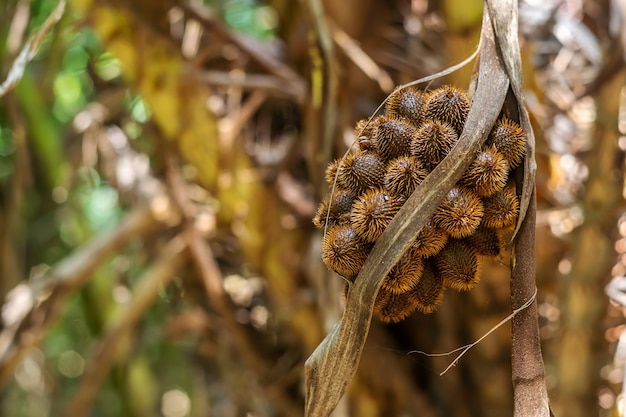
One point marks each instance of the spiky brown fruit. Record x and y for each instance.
(363, 129)
(430, 240)
(509, 138)
(361, 171)
(391, 307)
(403, 175)
(344, 251)
(460, 212)
(501, 209)
(393, 137)
(406, 103)
(366, 144)
(373, 211)
(485, 241)
(404, 274)
(432, 142)
(331, 172)
(488, 173)
(447, 104)
(458, 265)
(334, 209)
(429, 291)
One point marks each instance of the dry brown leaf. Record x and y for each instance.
(505, 23)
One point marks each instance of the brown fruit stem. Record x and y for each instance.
(529, 385)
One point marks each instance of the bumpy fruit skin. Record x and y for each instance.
(430, 240)
(458, 265)
(429, 291)
(406, 104)
(403, 175)
(366, 130)
(509, 138)
(432, 142)
(391, 307)
(361, 171)
(405, 274)
(488, 172)
(460, 212)
(366, 144)
(449, 105)
(501, 209)
(336, 209)
(344, 251)
(486, 241)
(373, 211)
(393, 137)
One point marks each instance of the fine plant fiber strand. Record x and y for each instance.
(466, 348)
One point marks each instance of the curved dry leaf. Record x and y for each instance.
(504, 20)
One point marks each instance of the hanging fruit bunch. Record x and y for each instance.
(393, 155)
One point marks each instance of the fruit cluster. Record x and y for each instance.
(395, 152)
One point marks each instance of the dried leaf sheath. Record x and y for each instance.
(529, 387)
(503, 18)
(332, 365)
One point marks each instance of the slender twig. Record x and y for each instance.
(269, 83)
(48, 295)
(153, 280)
(361, 59)
(18, 27)
(232, 125)
(12, 227)
(29, 49)
(295, 195)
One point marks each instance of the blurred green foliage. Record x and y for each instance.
(7, 150)
(67, 201)
(248, 16)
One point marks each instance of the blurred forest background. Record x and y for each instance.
(160, 163)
